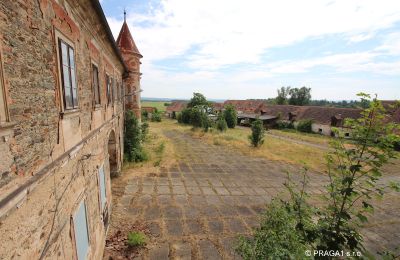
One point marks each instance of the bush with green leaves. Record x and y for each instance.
(274, 239)
(221, 124)
(257, 133)
(145, 130)
(353, 181)
(185, 116)
(284, 125)
(156, 117)
(199, 118)
(305, 126)
(230, 116)
(133, 150)
(145, 115)
(136, 239)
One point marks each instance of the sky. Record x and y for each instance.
(231, 49)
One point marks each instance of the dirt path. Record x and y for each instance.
(196, 209)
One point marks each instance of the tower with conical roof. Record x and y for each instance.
(131, 56)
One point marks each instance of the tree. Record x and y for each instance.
(300, 96)
(198, 100)
(257, 133)
(282, 98)
(230, 116)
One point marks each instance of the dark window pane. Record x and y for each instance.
(96, 85)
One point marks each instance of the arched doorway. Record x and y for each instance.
(112, 154)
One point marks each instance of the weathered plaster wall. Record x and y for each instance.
(42, 144)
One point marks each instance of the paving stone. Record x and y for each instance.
(174, 228)
(131, 189)
(236, 225)
(191, 212)
(193, 190)
(213, 200)
(222, 191)
(172, 212)
(155, 229)
(194, 227)
(243, 210)
(216, 226)
(178, 190)
(235, 191)
(207, 190)
(160, 252)
(208, 250)
(164, 199)
(163, 189)
(210, 211)
(152, 212)
(148, 189)
(182, 250)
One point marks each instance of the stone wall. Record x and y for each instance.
(50, 157)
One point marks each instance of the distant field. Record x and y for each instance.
(158, 104)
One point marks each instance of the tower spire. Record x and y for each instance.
(124, 15)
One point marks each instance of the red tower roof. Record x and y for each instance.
(125, 40)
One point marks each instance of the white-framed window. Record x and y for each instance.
(81, 231)
(102, 188)
(69, 88)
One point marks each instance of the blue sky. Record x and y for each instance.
(231, 49)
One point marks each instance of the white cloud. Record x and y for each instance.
(234, 31)
(208, 35)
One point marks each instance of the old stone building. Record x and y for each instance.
(132, 57)
(62, 101)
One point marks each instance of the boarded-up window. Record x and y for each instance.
(81, 232)
(102, 184)
(67, 67)
(96, 86)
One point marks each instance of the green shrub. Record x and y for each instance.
(133, 151)
(185, 116)
(156, 117)
(284, 125)
(145, 115)
(221, 124)
(136, 239)
(305, 126)
(145, 130)
(274, 239)
(257, 133)
(199, 118)
(230, 116)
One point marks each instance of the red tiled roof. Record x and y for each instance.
(125, 40)
(177, 106)
(321, 115)
(246, 106)
(149, 109)
(218, 106)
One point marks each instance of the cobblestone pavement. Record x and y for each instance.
(196, 209)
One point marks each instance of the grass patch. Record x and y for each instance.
(136, 239)
(306, 137)
(272, 149)
(160, 105)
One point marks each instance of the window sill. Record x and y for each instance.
(69, 113)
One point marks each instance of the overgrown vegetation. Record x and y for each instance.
(230, 116)
(156, 117)
(136, 239)
(304, 126)
(353, 173)
(284, 125)
(133, 136)
(196, 113)
(221, 124)
(257, 133)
